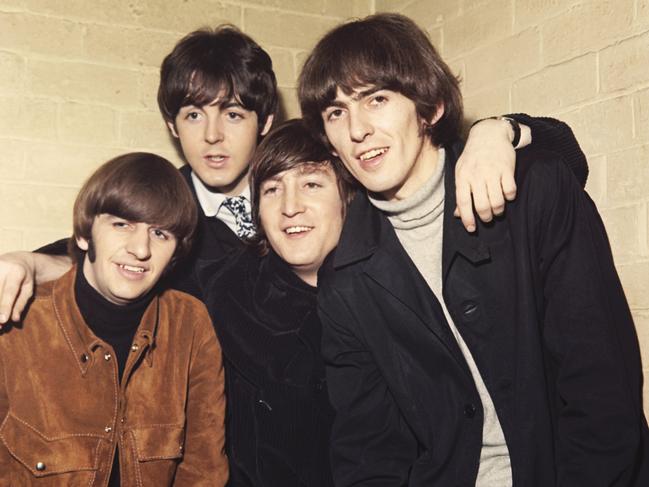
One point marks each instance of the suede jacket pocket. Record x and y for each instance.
(159, 442)
(46, 455)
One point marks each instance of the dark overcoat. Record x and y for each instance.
(536, 298)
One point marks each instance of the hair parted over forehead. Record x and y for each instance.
(288, 146)
(386, 51)
(139, 187)
(222, 62)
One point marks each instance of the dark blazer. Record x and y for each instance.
(213, 241)
(535, 296)
(278, 417)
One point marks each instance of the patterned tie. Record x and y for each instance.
(237, 206)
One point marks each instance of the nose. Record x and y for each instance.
(359, 125)
(292, 203)
(213, 130)
(139, 243)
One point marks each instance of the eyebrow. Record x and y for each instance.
(356, 95)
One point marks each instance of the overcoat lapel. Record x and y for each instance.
(368, 235)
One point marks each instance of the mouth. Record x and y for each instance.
(372, 154)
(297, 230)
(216, 160)
(132, 269)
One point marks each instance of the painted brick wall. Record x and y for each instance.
(585, 62)
(78, 84)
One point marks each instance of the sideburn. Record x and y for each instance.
(92, 256)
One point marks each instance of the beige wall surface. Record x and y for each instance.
(583, 61)
(78, 80)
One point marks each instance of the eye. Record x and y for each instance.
(120, 224)
(193, 115)
(378, 100)
(312, 185)
(160, 234)
(333, 114)
(269, 190)
(232, 115)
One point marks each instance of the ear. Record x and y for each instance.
(172, 129)
(439, 111)
(267, 125)
(82, 243)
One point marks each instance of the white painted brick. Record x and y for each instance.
(586, 27)
(12, 73)
(628, 175)
(28, 118)
(625, 65)
(494, 64)
(603, 126)
(42, 35)
(557, 86)
(83, 82)
(88, 124)
(486, 23)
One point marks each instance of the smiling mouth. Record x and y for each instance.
(297, 229)
(372, 154)
(132, 268)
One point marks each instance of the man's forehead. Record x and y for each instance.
(304, 168)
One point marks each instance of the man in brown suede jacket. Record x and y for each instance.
(110, 380)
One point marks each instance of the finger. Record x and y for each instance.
(481, 202)
(6, 300)
(496, 197)
(465, 206)
(509, 186)
(26, 292)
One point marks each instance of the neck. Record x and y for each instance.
(235, 188)
(420, 172)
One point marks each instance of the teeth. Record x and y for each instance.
(291, 230)
(216, 158)
(372, 153)
(131, 268)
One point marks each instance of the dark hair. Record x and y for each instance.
(288, 146)
(139, 187)
(208, 61)
(388, 51)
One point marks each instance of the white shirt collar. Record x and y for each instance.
(211, 201)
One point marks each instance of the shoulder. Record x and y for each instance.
(182, 307)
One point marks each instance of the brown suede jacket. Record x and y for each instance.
(63, 410)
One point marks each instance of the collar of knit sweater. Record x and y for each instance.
(420, 208)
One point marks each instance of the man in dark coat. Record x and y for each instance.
(504, 357)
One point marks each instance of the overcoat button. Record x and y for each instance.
(84, 357)
(107, 356)
(469, 410)
(135, 347)
(40, 466)
(108, 429)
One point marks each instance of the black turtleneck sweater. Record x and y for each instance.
(115, 324)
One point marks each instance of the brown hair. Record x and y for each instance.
(208, 61)
(286, 147)
(387, 51)
(138, 187)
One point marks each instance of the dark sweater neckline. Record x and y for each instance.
(102, 316)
